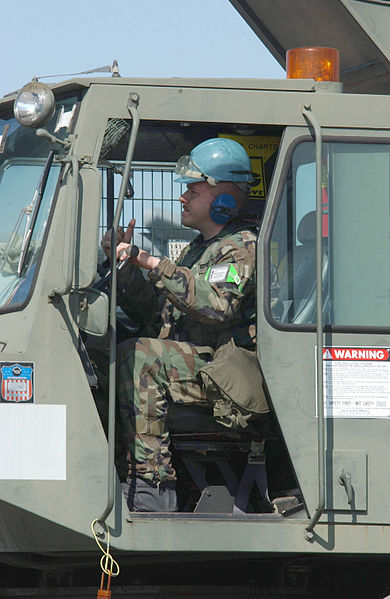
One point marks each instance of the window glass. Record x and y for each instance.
(24, 202)
(355, 241)
(21, 237)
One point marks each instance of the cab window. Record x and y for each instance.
(355, 186)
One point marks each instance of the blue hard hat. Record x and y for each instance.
(214, 160)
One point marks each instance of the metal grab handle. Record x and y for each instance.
(132, 107)
(307, 113)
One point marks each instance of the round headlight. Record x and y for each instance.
(34, 104)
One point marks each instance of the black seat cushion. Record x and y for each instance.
(186, 418)
(189, 418)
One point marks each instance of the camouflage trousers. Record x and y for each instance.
(150, 374)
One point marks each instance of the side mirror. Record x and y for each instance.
(89, 308)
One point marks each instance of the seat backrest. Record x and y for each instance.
(297, 269)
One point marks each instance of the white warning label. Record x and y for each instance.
(356, 382)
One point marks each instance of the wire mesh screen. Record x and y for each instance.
(155, 206)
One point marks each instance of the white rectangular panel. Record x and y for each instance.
(32, 442)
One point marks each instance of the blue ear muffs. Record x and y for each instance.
(223, 208)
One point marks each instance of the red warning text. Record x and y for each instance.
(356, 353)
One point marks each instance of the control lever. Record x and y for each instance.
(131, 251)
(345, 479)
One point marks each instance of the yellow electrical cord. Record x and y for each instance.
(107, 562)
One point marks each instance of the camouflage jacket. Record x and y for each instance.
(199, 306)
(211, 290)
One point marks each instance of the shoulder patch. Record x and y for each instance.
(218, 274)
(225, 273)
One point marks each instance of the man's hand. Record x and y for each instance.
(122, 236)
(143, 259)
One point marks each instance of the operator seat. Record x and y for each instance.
(297, 269)
(224, 466)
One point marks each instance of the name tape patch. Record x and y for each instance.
(226, 273)
(218, 274)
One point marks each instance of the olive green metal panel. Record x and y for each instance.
(44, 334)
(262, 536)
(344, 466)
(216, 105)
(247, 106)
(243, 102)
(78, 496)
(287, 358)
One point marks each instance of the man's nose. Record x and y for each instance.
(183, 199)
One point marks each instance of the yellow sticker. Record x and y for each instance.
(261, 150)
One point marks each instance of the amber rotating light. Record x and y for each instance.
(321, 64)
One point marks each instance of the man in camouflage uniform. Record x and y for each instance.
(209, 297)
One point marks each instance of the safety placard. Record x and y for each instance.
(356, 382)
(262, 151)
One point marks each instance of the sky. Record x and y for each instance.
(148, 38)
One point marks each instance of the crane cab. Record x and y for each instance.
(322, 158)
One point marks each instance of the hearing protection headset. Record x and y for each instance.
(223, 208)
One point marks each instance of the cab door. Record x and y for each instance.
(355, 273)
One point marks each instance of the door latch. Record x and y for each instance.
(345, 479)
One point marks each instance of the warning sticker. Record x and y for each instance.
(356, 382)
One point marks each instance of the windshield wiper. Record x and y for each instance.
(32, 211)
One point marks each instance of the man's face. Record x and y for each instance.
(196, 203)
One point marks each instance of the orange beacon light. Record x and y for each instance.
(321, 64)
